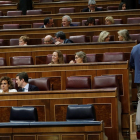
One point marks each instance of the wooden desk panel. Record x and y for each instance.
(8, 7)
(53, 7)
(63, 71)
(81, 30)
(54, 132)
(88, 48)
(76, 17)
(56, 102)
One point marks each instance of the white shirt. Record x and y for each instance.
(26, 88)
(10, 90)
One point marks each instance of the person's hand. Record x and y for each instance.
(57, 43)
(71, 62)
(92, 10)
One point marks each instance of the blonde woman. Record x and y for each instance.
(109, 20)
(104, 36)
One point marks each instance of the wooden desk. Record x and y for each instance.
(76, 17)
(52, 106)
(54, 132)
(53, 7)
(88, 69)
(69, 31)
(88, 48)
(8, 7)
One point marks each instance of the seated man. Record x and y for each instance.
(66, 21)
(60, 38)
(48, 39)
(22, 82)
(48, 22)
(91, 7)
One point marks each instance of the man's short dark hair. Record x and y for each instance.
(90, 20)
(23, 75)
(47, 20)
(61, 35)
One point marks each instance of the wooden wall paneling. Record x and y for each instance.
(23, 137)
(73, 136)
(5, 113)
(104, 111)
(5, 108)
(5, 137)
(48, 137)
(125, 75)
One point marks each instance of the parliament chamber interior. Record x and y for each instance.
(93, 100)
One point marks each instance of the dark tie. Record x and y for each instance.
(23, 89)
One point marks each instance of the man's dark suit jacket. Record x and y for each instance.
(87, 9)
(68, 41)
(25, 5)
(41, 26)
(31, 88)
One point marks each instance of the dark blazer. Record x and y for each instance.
(41, 26)
(135, 62)
(73, 25)
(87, 9)
(25, 5)
(68, 41)
(31, 88)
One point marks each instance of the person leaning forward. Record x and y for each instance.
(22, 82)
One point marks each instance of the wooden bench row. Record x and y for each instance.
(87, 69)
(69, 49)
(53, 7)
(76, 17)
(70, 31)
(52, 106)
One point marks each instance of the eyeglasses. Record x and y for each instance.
(76, 57)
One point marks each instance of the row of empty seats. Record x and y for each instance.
(74, 113)
(28, 60)
(72, 83)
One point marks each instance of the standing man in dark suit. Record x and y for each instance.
(60, 38)
(91, 7)
(22, 82)
(48, 22)
(135, 64)
(25, 5)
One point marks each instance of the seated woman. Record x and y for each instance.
(104, 36)
(109, 20)
(90, 22)
(80, 57)
(123, 35)
(122, 6)
(6, 85)
(57, 57)
(23, 40)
